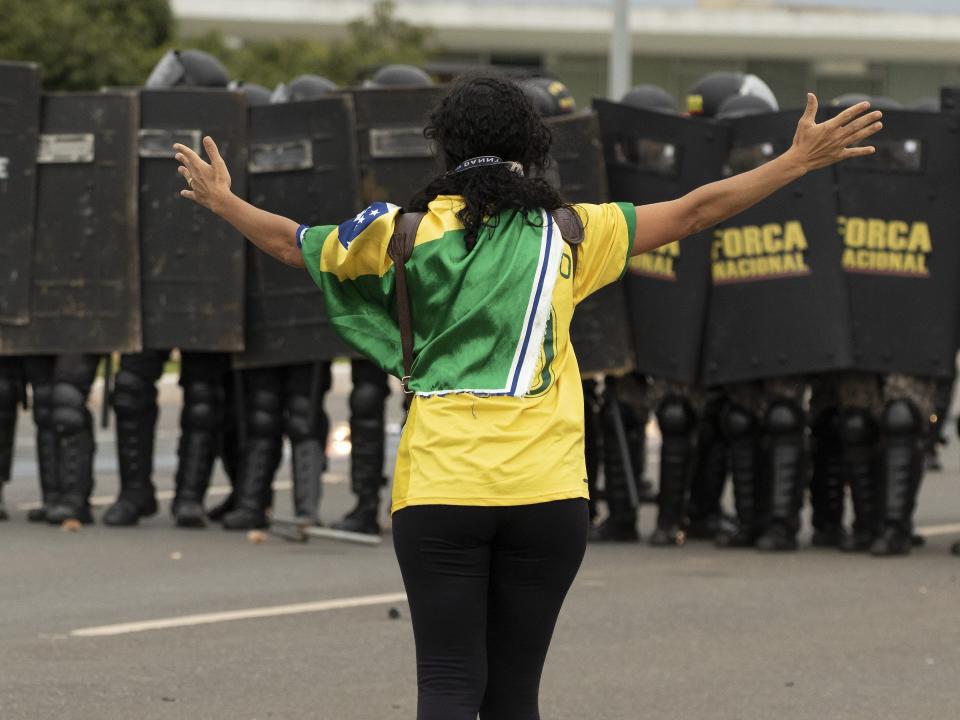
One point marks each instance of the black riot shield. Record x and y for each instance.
(395, 159)
(193, 262)
(778, 302)
(899, 221)
(19, 120)
(302, 163)
(85, 291)
(653, 157)
(600, 330)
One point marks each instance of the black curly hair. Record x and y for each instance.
(489, 115)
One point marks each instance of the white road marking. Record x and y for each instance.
(232, 615)
(934, 530)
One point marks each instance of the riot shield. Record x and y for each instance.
(192, 262)
(19, 120)
(302, 163)
(778, 302)
(395, 159)
(653, 157)
(600, 330)
(899, 221)
(85, 290)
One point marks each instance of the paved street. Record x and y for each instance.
(675, 634)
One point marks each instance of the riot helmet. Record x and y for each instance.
(711, 90)
(541, 100)
(399, 76)
(650, 97)
(303, 87)
(559, 94)
(255, 94)
(741, 105)
(188, 68)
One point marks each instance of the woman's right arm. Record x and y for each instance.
(209, 186)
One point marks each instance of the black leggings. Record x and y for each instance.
(485, 586)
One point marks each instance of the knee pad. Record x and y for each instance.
(736, 422)
(299, 419)
(901, 417)
(9, 390)
(367, 401)
(132, 395)
(675, 416)
(43, 405)
(264, 413)
(857, 427)
(70, 413)
(784, 417)
(201, 407)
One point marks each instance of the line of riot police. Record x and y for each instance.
(101, 257)
(807, 344)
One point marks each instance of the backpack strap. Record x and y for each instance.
(400, 249)
(571, 229)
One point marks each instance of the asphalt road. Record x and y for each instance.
(671, 633)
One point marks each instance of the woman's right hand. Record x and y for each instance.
(208, 183)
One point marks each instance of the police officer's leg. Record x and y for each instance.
(943, 398)
(705, 515)
(741, 429)
(903, 425)
(591, 441)
(201, 422)
(39, 374)
(827, 479)
(230, 440)
(677, 423)
(860, 436)
(73, 376)
(307, 425)
(617, 419)
(262, 449)
(786, 454)
(10, 391)
(135, 407)
(367, 404)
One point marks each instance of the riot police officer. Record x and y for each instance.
(202, 378)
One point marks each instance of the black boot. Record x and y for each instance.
(741, 430)
(860, 438)
(367, 405)
(826, 482)
(46, 449)
(620, 525)
(75, 448)
(677, 422)
(705, 517)
(308, 462)
(261, 456)
(785, 453)
(902, 472)
(200, 419)
(135, 406)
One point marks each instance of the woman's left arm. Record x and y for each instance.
(814, 146)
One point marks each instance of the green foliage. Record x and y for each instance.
(85, 44)
(365, 44)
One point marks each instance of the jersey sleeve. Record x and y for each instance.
(602, 257)
(351, 265)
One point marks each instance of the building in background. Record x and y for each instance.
(905, 49)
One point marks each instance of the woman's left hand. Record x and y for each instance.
(817, 145)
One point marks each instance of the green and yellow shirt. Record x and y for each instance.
(497, 417)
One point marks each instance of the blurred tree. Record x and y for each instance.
(85, 44)
(366, 43)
